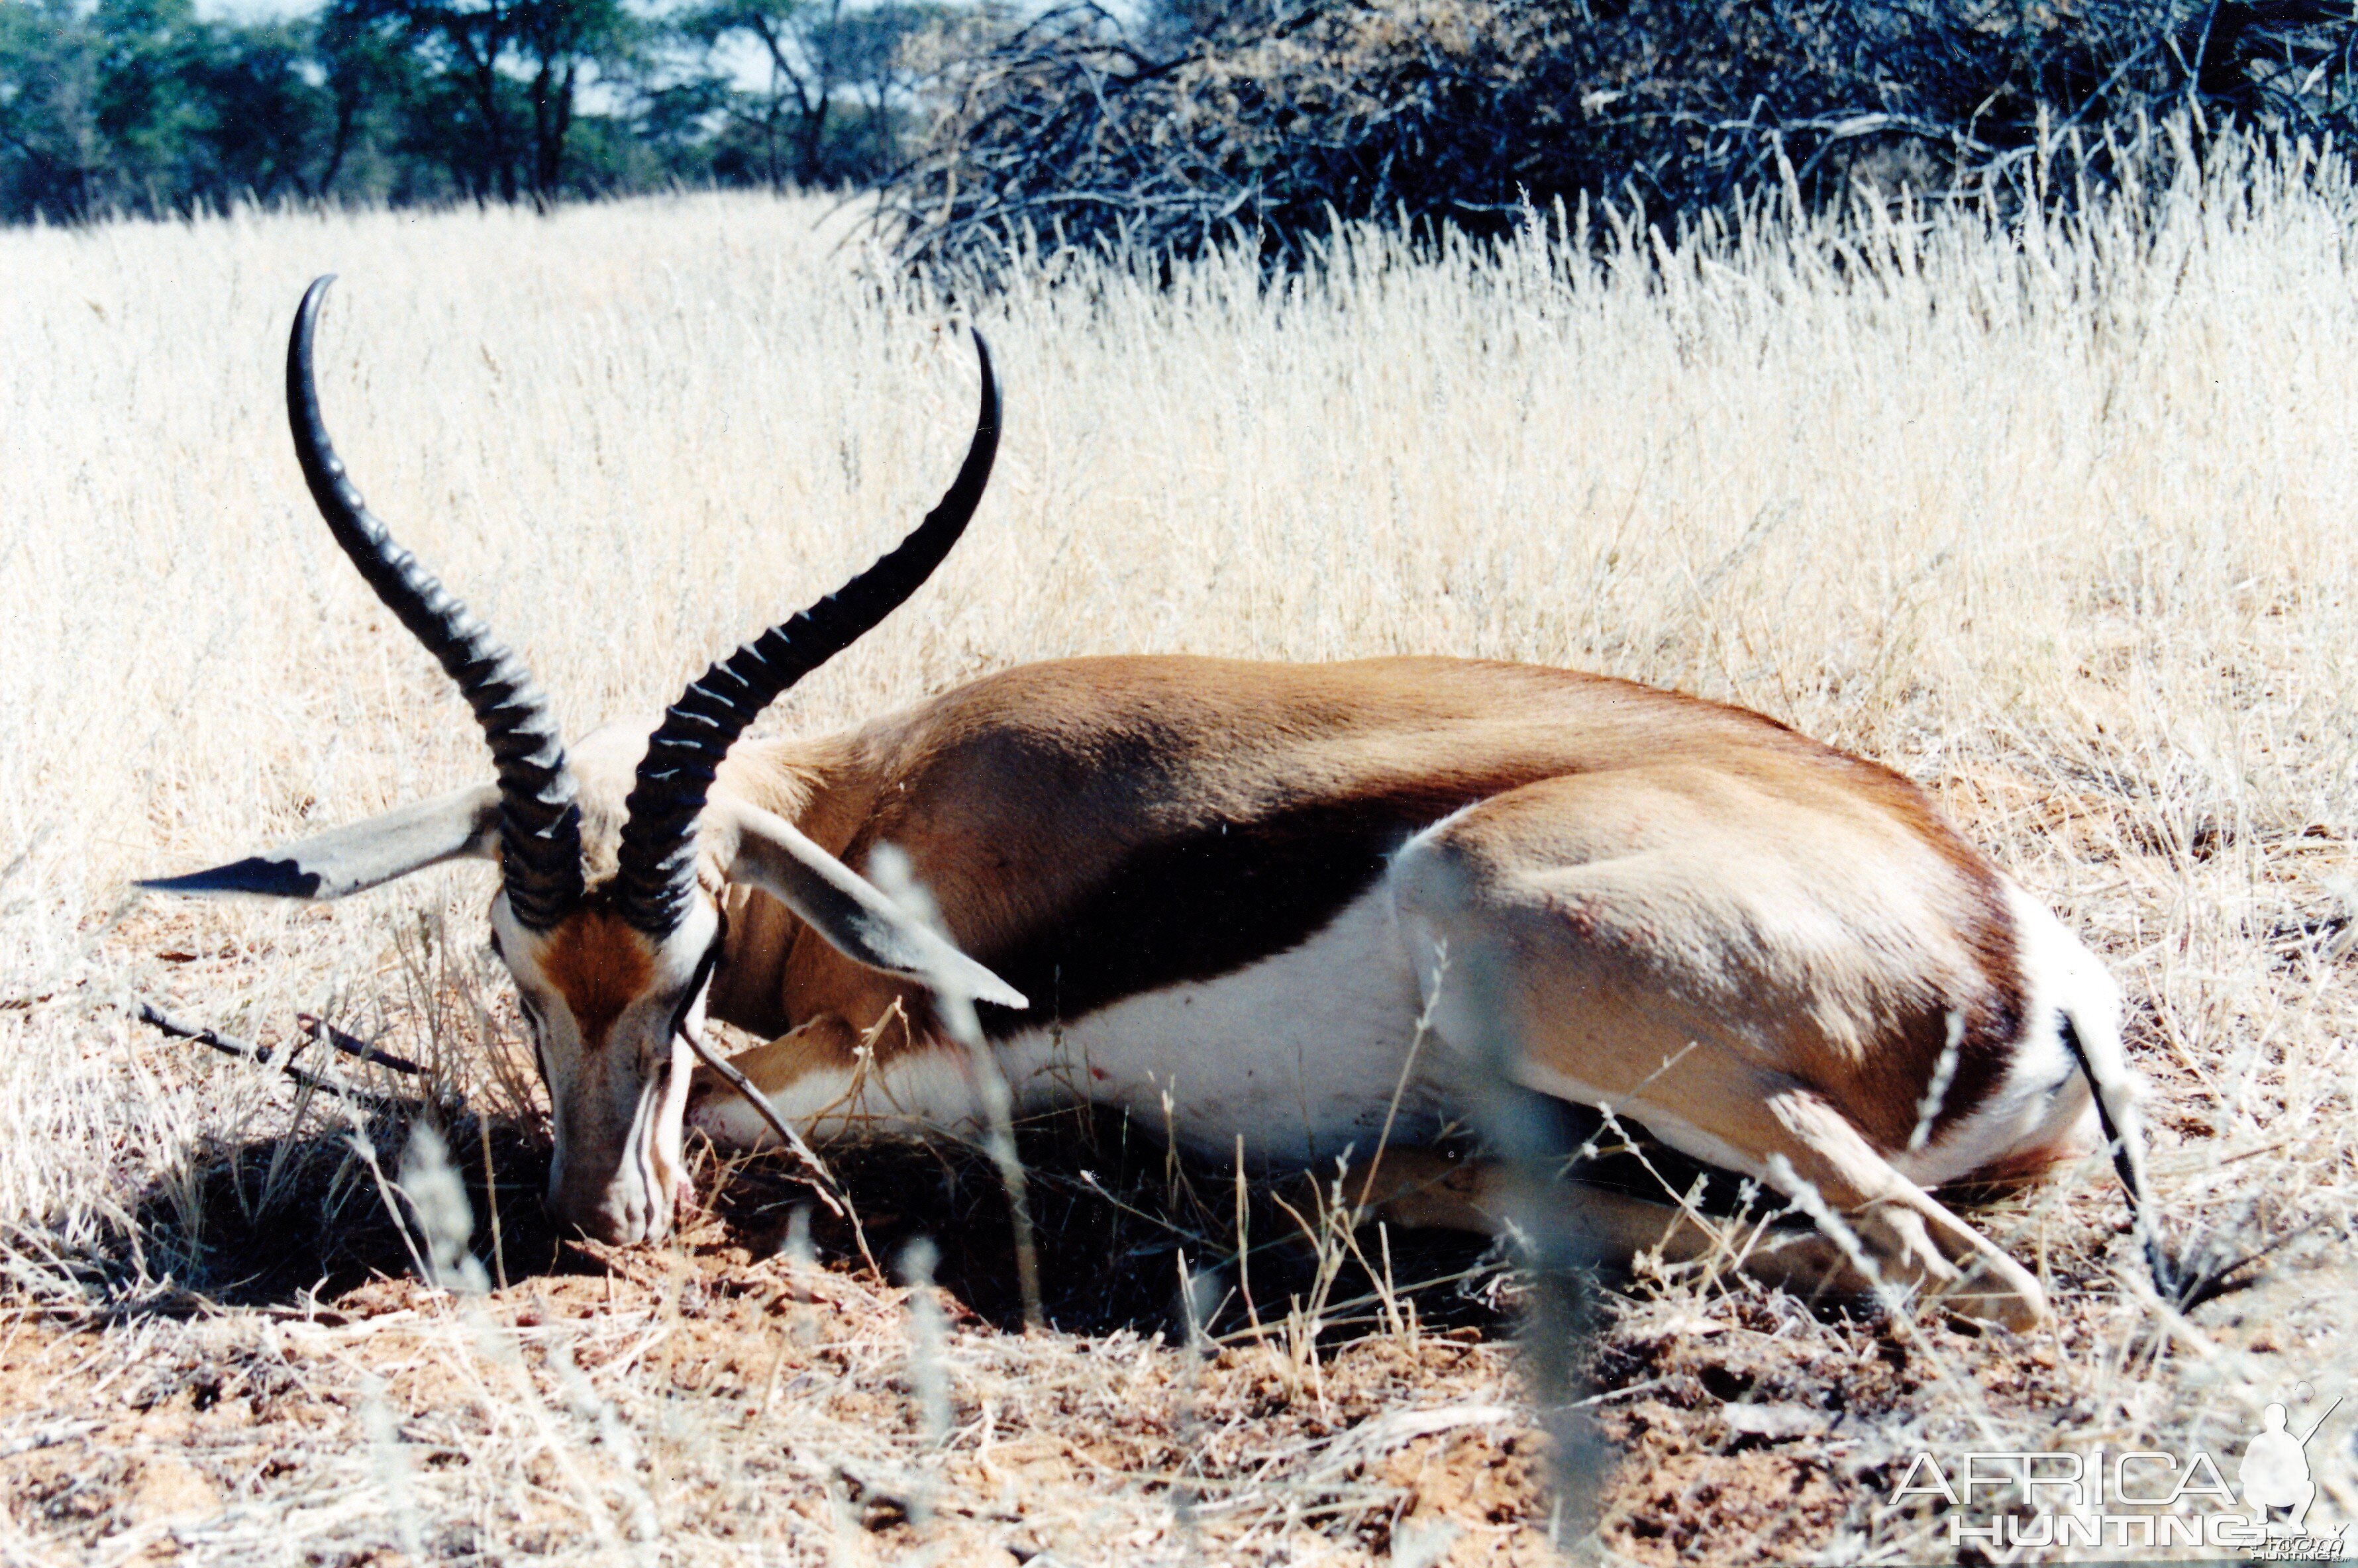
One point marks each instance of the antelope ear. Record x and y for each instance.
(346, 859)
(857, 920)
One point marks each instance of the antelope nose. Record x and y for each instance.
(618, 1216)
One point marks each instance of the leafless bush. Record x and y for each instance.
(1268, 120)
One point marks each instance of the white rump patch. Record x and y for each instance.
(2042, 1104)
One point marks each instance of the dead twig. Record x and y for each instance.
(830, 1192)
(327, 1033)
(230, 1045)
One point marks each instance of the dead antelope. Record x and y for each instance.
(1241, 885)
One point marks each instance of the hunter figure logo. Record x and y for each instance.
(2144, 1499)
(2275, 1473)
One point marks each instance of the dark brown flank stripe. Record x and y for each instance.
(1218, 898)
(1215, 895)
(1226, 895)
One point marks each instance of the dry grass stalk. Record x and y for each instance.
(2055, 518)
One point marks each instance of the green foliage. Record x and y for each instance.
(142, 104)
(831, 107)
(109, 105)
(1195, 123)
(49, 78)
(130, 101)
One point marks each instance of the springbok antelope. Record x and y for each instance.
(1242, 886)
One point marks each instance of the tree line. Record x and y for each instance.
(143, 106)
(1169, 126)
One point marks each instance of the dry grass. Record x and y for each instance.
(2057, 522)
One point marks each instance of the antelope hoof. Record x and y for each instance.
(1987, 1296)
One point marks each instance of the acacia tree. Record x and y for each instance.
(517, 64)
(465, 45)
(824, 60)
(556, 39)
(264, 111)
(143, 103)
(370, 81)
(52, 154)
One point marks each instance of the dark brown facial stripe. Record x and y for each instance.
(1216, 899)
(599, 966)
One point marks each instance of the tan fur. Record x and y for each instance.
(1413, 1187)
(599, 966)
(1754, 945)
(820, 1046)
(1776, 956)
(970, 783)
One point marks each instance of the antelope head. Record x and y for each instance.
(612, 975)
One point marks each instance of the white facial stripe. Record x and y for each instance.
(616, 1099)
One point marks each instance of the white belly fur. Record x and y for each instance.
(1298, 1055)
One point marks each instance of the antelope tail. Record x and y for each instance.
(2116, 1114)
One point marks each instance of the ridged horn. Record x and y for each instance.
(540, 826)
(657, 862)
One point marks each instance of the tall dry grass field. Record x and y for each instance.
(2058, 521)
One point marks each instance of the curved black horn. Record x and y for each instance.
(658, 849)
(540, 827)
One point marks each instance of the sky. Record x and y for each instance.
(251, 10)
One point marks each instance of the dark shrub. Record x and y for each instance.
(1249, 122)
